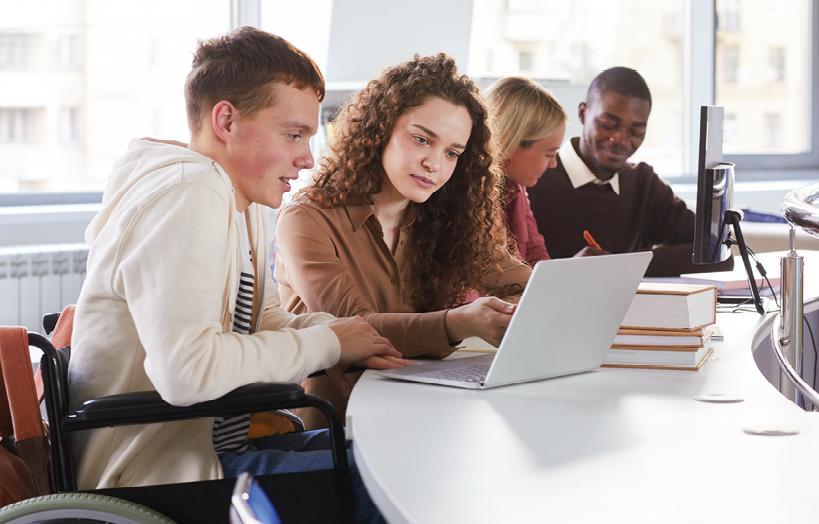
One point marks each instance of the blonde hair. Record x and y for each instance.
(524, 112)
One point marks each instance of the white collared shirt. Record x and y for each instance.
(579, 172)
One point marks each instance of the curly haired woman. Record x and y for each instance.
(403, 219)
(530, 126)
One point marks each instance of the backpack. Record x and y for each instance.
(24, 446)
(25, 469)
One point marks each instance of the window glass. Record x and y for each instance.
(565, 44)
(79, 79)
(306, 25)
(762, 54)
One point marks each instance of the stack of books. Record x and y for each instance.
(666, 327)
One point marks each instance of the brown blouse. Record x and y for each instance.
(336, 261)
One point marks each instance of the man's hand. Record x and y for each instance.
(360, 341)
(486, 317)
(590, 251)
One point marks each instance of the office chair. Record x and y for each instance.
(312, 496)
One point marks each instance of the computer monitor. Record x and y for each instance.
(715, 192)
(715, 189)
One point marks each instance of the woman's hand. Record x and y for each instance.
(486, 317)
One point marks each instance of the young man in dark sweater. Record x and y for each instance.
(626, 207)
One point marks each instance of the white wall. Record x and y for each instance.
(360, 48)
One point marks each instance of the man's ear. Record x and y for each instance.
(581, 112)
(222, 120)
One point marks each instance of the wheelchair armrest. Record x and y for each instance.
(148, 407)
(351, 369)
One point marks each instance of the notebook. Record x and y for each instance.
(565, 323)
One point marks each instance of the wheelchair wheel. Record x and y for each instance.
(79, 508)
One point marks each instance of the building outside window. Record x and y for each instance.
(767, 75)
(79, 80)
(776, 64)
(730, 142)
(14, 125)
(773, 131)
(728, 16)
(68, 51)
(526, 61)
(93, 75)
(572, 42)
(69, 125)
(730, 64)
(13, 50)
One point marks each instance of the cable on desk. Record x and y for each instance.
(764, 274)
(729, 241)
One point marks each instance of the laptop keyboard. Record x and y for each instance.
(474, 374)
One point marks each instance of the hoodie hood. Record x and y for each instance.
(142, 158)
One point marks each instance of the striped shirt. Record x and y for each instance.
(230, 433)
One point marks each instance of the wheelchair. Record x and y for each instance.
(304, 497)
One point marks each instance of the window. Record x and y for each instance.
(13, 51)
(760, 61)
(69, 126)
(68, 52)
(776, 64)
(14, 125)
(730, 138)
(120, 76)
(777, 8)
(728, 16)
(93, 74)
(526, 61)
(730, 64)
(768, 80)
(773, 131)
(564, 45)
(533, 6)
(578, 10)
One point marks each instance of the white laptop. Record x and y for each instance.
(565, 323)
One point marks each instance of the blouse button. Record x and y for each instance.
(394, 282)
(403, 242)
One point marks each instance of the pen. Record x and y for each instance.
(590, 240)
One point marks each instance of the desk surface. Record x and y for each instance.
(610, 445)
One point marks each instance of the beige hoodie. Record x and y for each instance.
(155, 313)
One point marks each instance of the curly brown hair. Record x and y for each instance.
(458, 232)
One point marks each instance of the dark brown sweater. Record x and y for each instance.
(646, 215)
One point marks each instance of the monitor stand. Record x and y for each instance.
(734, 217)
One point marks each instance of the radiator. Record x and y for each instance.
(39, 279)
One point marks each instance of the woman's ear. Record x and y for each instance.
(222, 119)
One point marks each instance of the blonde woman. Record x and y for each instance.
(530, 124)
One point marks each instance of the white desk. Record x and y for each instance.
(611, 445)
